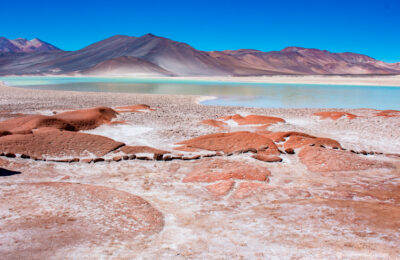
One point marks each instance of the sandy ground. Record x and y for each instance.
(296, 213)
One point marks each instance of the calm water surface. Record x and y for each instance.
(230, 93)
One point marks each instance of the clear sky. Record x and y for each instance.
(370, 27)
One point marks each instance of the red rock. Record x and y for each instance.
(254, 119)
(87, 119)
(117, 158)
(158, 156)
(211, 170)
(167, 158)
(141, 149)
(247, 189)
(220, 188)
(295, 142)
(327, 160)
(334, 115)
(193, 157)
(87, 160)
(72, 121)
(230, 142)
(61, 160)
(63, 215)
(289, 151)
(267, 157)
(134, 108)
(55, 143)
(215, 123)
(10, 155)
(98, 160)
(281, 136)
(25, 156)
(389, 113)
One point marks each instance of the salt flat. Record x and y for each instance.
(325, 187)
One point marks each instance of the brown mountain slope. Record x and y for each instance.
(125, 65)
(296, 60)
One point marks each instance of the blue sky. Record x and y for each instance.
(369, 27)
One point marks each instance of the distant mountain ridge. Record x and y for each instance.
(21, 45)
(153, 55)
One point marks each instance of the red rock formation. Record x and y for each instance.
(133, 150)
(54, 216)
(230, 142)
(211, 170)
(267, 157)
(327, 160)
(296, 141)
(264, 121)
(254, 119)
(334, 115)
(134, 108)
(281, 136)
(389, 113)
(52, 143)
(72, 121)
(87, 119)
(215, 123)
(221, 188)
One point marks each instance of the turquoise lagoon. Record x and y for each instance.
(229, 93)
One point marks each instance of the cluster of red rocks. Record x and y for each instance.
(334, 115)
(317, 153)
(221, 176)
(57, 137)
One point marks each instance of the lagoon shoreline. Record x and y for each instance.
(361, 80)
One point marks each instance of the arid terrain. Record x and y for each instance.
(89, 175)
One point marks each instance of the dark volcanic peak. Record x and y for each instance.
(151, 54)
(21, 45)
(126, 66)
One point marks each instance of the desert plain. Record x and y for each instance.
(111, 175)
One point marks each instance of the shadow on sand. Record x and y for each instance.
(5, 172)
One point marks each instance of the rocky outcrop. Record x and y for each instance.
(77, 120)
(235, 142)
(134, 108)
(56, 144)
(54, 216)
(253, 119)
(335, 115)
(388, 113)
(319, 159)
(211, 170)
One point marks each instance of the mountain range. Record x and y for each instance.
(158, 56)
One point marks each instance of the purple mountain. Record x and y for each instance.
(150, 54)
